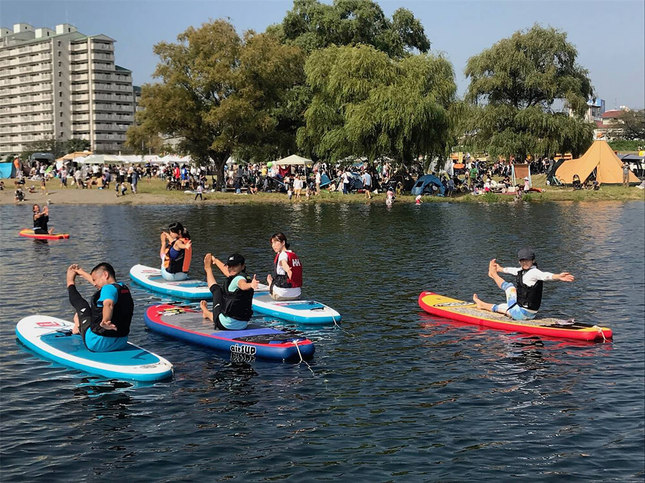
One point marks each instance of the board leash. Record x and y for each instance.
(295, 342)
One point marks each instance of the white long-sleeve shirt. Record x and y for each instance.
(531, 277)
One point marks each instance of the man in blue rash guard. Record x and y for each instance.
(105, 324)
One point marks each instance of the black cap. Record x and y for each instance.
(526, 254)
(235, 260)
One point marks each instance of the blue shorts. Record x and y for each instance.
(99, 343)
(516, 311)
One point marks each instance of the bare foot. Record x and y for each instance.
(477, 301)
(207, 314)
(492, 268)
(269, 279)
(76, 328)
(71, 274)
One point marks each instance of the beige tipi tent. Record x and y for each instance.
(599, 157)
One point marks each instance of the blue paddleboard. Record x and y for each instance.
(253, 342)
(51, 338)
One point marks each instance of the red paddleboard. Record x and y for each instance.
(468, 312)
(28, 233)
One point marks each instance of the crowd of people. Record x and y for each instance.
(296, 181)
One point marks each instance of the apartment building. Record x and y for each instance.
(62, 84)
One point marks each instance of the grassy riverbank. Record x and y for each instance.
(154, 192)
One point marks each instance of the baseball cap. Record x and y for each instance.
(525, 254)
(235, 260)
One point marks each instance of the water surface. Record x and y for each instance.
(394, 394)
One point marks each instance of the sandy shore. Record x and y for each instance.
(73, 196)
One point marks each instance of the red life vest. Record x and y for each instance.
(296, 271)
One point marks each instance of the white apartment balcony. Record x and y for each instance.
(33, 88)
(110, 137)
(124, 118)
(44, 67)
(76, 68)
(80, 118)
(102, 46)
(80, 108)
(36, 108)
(103, 56)
(80, 97)
(102, 66)
(34, 59)
(42, 97)
(79, 57)
(80, 127)
(79, 88)
(80, 77)
(78, 47)
(102, 77)
(12, 72)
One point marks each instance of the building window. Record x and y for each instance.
(61, 124)
(60, 84)
(60, 104)
(60, 74)
(59, 43)
(59, 53)
(60, 93)
(60, 64)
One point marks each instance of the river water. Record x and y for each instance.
(392, 395)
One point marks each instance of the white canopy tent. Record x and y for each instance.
(294, 159)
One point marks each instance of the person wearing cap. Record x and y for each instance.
(232, 302)
(523, 299)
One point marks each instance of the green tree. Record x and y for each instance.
(140, 141)
(313, 25)
(631, 126)
(518, 84)
(366, 104)
(73, 145)
(220, 94)
(48, 145)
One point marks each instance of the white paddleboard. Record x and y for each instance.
(51, 338)
(304, 311)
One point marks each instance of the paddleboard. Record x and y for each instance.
(52, 338)
(150, 278)
(29, 233)
(468, 312)
(189, 325)
(299, 311)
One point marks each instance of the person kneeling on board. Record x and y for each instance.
(41, 218)
(523, 300)
(233, 301)
(105, 324)
(176, 252)
(286, 281)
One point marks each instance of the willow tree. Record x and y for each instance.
(313, 25)
(522, 85)
(219, 93)
(367, 104)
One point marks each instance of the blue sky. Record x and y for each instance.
(609, 35)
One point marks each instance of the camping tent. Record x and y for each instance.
(7, 170)
(599, 157)
(293, 159)
(428, 184)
